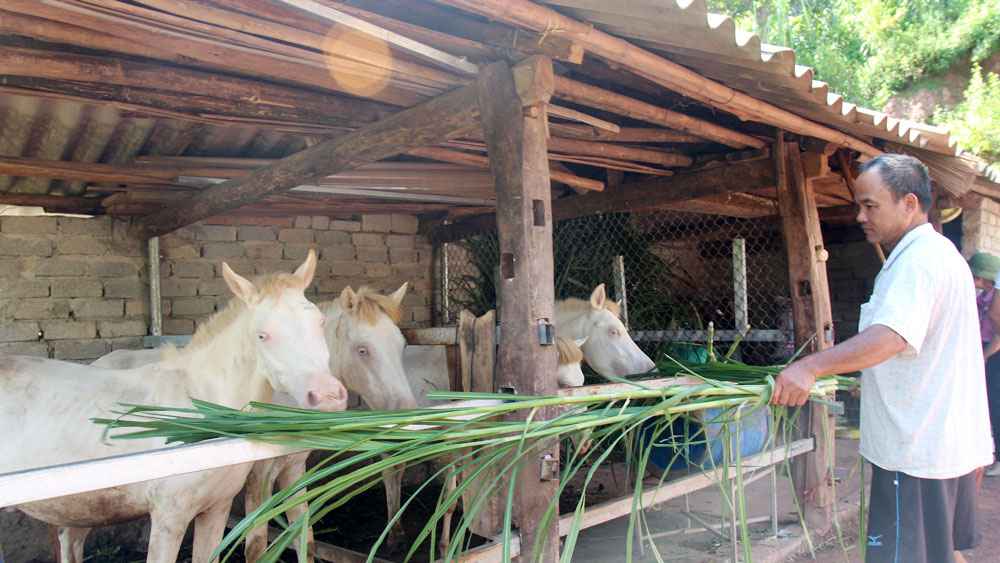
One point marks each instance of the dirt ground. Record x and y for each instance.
(989, 522)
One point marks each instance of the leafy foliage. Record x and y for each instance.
(976, 120)
(868, 50)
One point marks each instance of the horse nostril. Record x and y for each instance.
(312, 399)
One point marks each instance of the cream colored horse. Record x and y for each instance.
(270, 337)
(366, 351)
(609, 349)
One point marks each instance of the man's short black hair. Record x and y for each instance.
(903, 174)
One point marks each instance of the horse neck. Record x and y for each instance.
(572, 323)
(227, 369)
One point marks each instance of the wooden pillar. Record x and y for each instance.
(813, 319)
(516, 144)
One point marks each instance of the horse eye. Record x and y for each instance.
(614, 333)
(262, 336)
(322, 322)
(363, 351)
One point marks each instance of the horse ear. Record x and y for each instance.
(580, 341)
(240, 286)
(397, 296)
(348, 300)
(306, 271)
(597, 298)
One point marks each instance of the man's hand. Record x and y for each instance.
(793, 384)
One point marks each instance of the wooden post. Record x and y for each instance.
(813, 320)
(516, 144)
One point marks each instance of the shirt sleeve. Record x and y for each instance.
(907, 302)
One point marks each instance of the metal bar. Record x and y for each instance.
(740, 284)
(415, 48)
(447, 335)
(652, 496)
(620, 293)
(445, 285)
(759, 335)
(155, 302)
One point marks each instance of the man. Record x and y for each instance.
(924, 421)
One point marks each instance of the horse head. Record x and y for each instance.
(609, 349)
(285, 330)
(367, 346)
(569, 373)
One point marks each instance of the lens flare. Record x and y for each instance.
(359, 62)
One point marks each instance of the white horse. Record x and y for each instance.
(366, 350)
(269, 338)
(596, 323)
(609, 349)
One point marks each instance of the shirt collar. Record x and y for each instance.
(912, 235)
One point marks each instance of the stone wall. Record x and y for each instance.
(76, 288)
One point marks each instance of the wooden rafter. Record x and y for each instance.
(642, 194)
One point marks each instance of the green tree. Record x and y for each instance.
(976, 120)
(868, 50)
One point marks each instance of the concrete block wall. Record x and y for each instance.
(76, 288)
(980, 225)
(851, 270)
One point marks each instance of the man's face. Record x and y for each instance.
(883, 219)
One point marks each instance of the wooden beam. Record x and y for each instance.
(172, 36)
(55, 203)
(444, 117)
(498, 35)
(529, 15)
(114, 78)
(813, 322)
(573, 115)
(592, 96)
(518, 157)
(624, 134)
(633, 196)
(607, 150)
(457, 157)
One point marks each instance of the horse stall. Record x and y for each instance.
(491, 155)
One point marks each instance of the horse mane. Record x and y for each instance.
(369, 304)
(569, 352)
(577, 306)
(267, 284)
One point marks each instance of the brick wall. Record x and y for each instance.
(75, 288)
(851, 270)
(980, 225)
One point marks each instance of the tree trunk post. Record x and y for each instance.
(516, 143)
(813, 320)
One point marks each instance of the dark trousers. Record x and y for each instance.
(993, 397)
(914, 520)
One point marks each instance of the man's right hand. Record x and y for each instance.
(792, 386)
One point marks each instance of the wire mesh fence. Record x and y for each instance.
(675, 272)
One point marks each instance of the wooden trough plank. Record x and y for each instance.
(83, 476)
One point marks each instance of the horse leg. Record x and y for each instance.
(260, 482)
(393, 481)
(294, 466)
(71, 542)
(165, 535)
(209, 527)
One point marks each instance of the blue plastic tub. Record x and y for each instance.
(668, 454)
